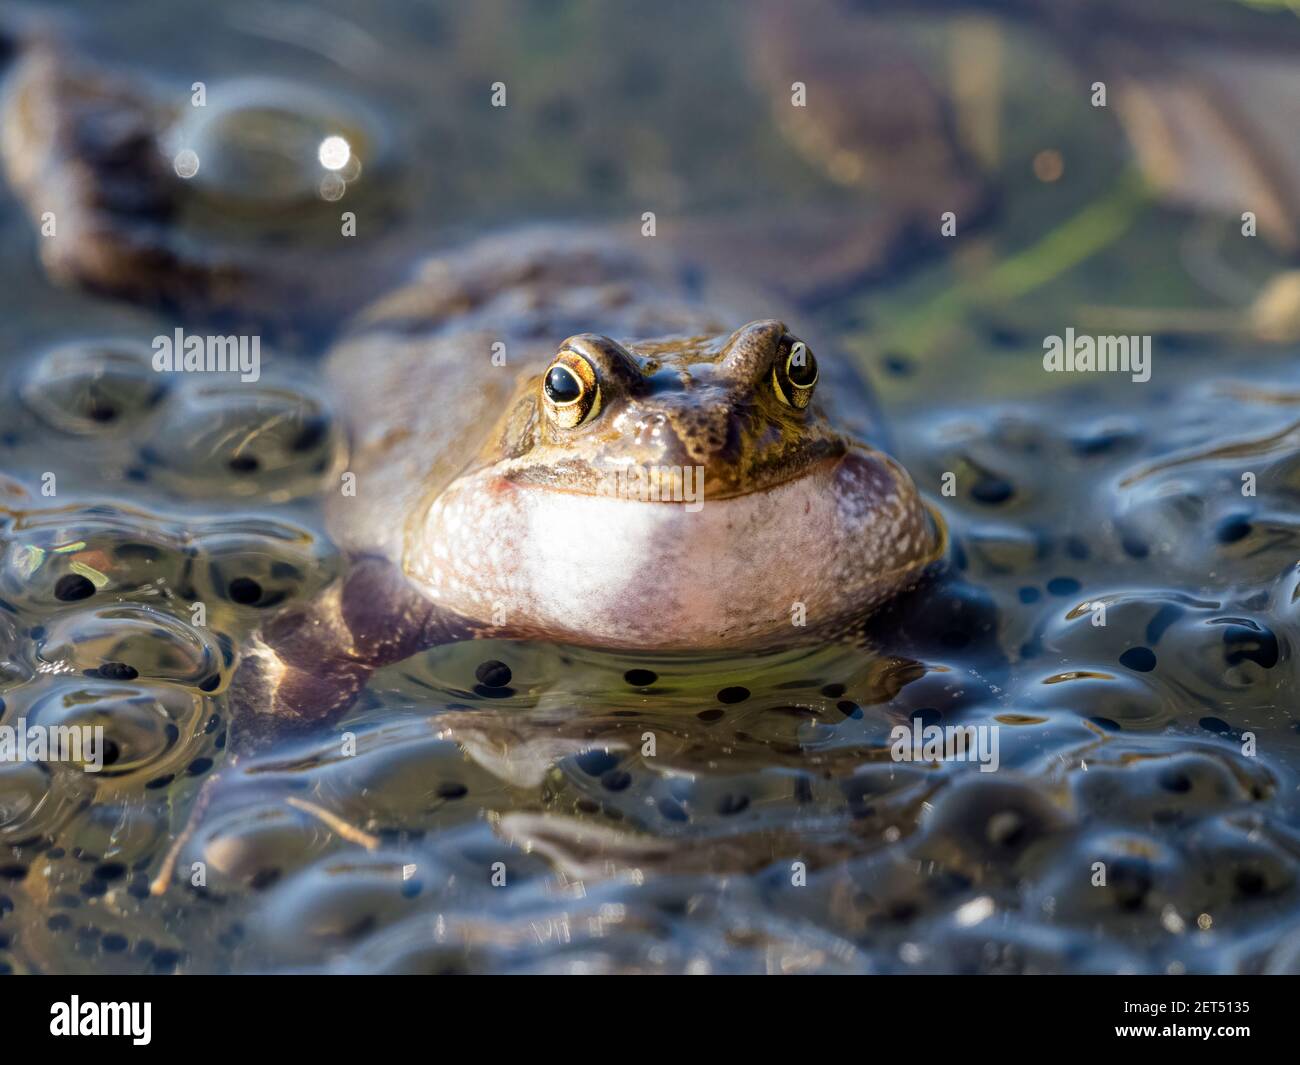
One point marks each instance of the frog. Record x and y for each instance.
(666, 480)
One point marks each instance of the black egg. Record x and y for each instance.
(562, 386)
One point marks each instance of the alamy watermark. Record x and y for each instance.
(656, 484)
(1075, 353)
(179, 353)
(82, 744)
(950, 743)
(79, 1018)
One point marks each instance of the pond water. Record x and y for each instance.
(1118, 614)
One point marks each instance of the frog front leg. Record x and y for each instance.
(306, 667)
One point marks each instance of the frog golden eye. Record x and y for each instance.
(795, 376)
(572, 390)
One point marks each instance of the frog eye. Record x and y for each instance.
(795, 376)
(571, 390)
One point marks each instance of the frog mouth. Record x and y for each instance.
(577, 567)
(683, 483)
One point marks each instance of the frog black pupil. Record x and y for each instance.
(562, 386)
(803, 370)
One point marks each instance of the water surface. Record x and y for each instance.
(510, 820)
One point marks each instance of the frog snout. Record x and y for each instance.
(705, 438)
